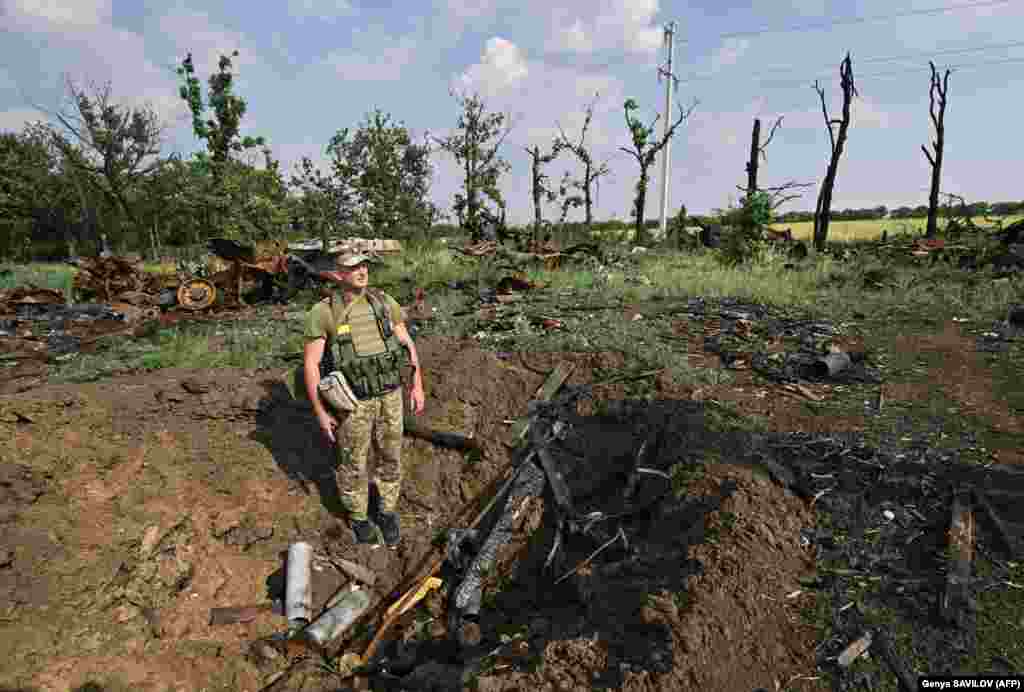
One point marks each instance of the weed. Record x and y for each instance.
(683, 475)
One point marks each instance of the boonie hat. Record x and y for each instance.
(343, 260)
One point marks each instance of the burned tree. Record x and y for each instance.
(757, 149)
(591, 172)
(936, 100)
(751, 219)
(538, 183)
(645, 151)
(823, 209)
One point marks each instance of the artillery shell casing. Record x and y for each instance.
(298, 585)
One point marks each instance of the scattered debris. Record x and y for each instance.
(236, 614)
(357, 572)
(855, 650)
(442, 439)
(341, 614)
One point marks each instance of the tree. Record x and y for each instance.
(42, 198)
(538, 184)
(645, 151)
(758, 150)
(937, 111)
(390, 172)
(475, 145)
(115, 147)
(327, 201)
(591, 172)
(220, 132)
(824, 205)
(223, 203)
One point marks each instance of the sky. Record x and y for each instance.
(308, 68)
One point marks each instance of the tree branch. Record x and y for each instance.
(771, 133)
(928, 156)
(824, 112)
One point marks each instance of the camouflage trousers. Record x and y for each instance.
(374, 420)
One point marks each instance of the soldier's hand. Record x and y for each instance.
(417, 399)
(328, 423)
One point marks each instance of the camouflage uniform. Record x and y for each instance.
(376, 419)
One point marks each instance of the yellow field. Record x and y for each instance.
(868, 229)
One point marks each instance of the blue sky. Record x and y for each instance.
(310, 67)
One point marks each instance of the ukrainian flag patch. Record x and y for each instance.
(344, 329)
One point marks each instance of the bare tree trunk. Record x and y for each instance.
(937, 93)
(536, 190)
(640, 233)
(823, 209)
(755, 149)
(588, 202)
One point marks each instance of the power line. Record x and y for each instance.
(954, 51)
(966, 66)
(864, 20)
(889, 75)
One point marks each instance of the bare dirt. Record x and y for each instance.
(131, 507)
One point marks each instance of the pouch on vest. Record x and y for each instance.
(334, 389)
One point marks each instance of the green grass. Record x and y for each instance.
(55, 276)
(256, 344)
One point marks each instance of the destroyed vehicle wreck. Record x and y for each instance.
(236, 276)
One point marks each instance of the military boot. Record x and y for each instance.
(365, 531)
(390, 528)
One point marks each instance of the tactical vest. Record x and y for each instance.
(369, 376)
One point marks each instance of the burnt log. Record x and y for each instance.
(955, 601)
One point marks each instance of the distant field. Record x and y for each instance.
(868, 229)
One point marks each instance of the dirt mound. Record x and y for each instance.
(673, 590)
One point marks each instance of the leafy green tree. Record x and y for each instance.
(42, 199)
(326, 202)
(239, 200)
(645, 148)
(390, 172)
(474, 145)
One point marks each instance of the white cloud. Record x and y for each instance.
(729, 53)
(864, 114)
(580, 26)
(385, 64)
(501, 66)
(193, 32)
(327, 10)
(867, 114)
(76, 12)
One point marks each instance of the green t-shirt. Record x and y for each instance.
(357, 317)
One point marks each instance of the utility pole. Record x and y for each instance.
(670, 78)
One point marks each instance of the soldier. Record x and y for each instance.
(359, 331)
